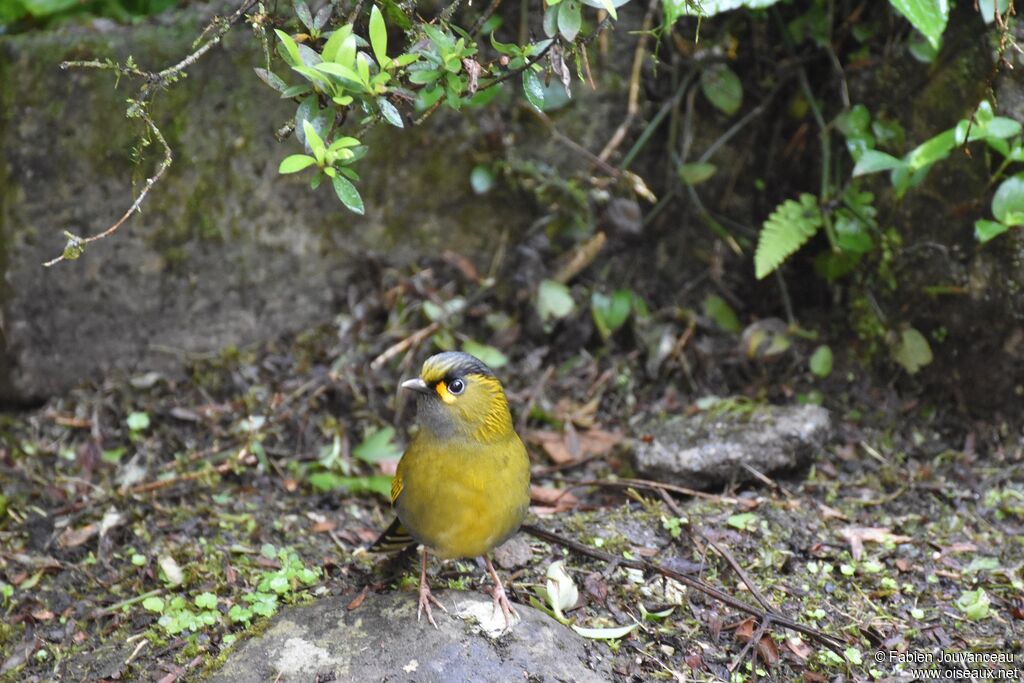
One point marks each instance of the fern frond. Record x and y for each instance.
(787, 229)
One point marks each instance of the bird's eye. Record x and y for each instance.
(456, 387)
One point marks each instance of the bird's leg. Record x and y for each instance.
(500, 599)
(425, 597)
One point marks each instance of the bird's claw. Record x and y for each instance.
(426, 597)
(502, 602)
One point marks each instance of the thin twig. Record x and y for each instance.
(403, 345)
(825, 639)
(651, 486)
(75, 244)
(633, 100)
(728, 557)
(152, 83)
(482, 19)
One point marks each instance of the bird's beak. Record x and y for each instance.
(417, 385)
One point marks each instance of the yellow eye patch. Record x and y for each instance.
(442, 391)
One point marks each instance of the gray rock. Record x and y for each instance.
(513, 553)
(382, 641)
(709, 449)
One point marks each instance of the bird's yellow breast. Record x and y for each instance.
(460, 498)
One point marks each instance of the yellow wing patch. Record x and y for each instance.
(396, 487)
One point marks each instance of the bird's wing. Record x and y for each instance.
(394, 539)
(396, 486)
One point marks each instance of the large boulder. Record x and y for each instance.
(381, 640)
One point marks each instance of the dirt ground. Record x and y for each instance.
(148, 523)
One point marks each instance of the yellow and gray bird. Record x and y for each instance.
(463, 485)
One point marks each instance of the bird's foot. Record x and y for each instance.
(502, 602)
(425, 599)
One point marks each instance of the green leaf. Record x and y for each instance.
(744, 521)
(341, 71)
(553, 300)
(113, 455)
(271, 79)
(303, 13)
(348, 194)
(570, 18)
(315, 142)
(295, 91)
(295, 163)
(610, 312)
(705, 8)
(697, 172)
(974, 604)
(550, 21)
(363, 68)
(333, 44)
(932, 150)
(378, 37)
(533, 87)
(481, 179)
(612, 633)
(821, 361)
(347, 51)
(719, 310)
(787, 229)
(1002, 127)
(485, 352)
(911, 350)
(378, 446)
(288, 49)
(722, 87)
(138, 421)
(153, 604)
(206, 601)
(984, 230)
(390, 113)
(423, 76)
(873, 161)
(927, 16)
(609, 7)
(1008, 201)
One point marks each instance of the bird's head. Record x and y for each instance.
(459, 397)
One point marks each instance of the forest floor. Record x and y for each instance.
(149, 523)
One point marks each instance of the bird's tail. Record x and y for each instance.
(394, 539)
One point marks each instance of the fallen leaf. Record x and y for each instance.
(42, 615)
(596, 586)
(963, 547)
(768, 651)
(569, 446)
(553, 444)
(831, 513)
(72, 538)
(358, 600)
(558, 499)
(858, 536)
(745, 630)
(799, 648)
